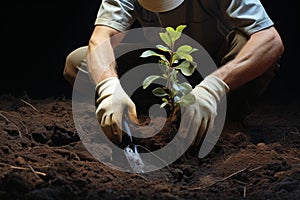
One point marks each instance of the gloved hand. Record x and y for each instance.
(201, 114)
(112, 105)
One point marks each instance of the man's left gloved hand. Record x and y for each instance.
(201, 114)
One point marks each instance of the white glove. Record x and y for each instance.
(201, 114)
(112, 105)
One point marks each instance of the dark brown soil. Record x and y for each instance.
(42, 157)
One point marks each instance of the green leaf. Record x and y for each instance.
(184, 55)
(165, 100)
(187, 99)
(185, 87)
(149, 53)
(170, 29)
(183, 64)
(175, 58)
(166, 38)
(176, 99)
(149, 80)
(193, 50)
(164, 104)
(186, 68)
(163, 48)
(160, 92)
(194, 64)
(174, 35)
(180, 28)
(185, 48)
(176, 86)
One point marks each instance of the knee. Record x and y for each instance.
(69, 70)
(73, 61)
(235, 41)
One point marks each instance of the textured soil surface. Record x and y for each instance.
(42, 157)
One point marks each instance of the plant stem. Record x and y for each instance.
(169, 73)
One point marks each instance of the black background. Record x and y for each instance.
(37, 37)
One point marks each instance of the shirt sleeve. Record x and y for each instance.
(117, 14)
(249, 16)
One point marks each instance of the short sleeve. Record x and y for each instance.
(249, 16)
(117, 14)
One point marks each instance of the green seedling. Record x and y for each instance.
(172, 59)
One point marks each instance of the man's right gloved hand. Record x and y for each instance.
(112, 105)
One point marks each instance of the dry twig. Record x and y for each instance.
(254, 169)
(4, 117)
(24, 168)
(220, 180)
(138, 175)
(23, 126)
(9, 121)
(31, 106)
(35, 173)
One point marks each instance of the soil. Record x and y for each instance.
(42, 157)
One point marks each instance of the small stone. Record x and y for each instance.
(20, 160)
(262, 146)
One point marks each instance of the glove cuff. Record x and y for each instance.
(106, 83)
(214, 85)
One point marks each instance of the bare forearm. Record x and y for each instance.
(101, 62)
(262, 50)
(100, 56)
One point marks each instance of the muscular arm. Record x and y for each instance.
(100, 55)
(262, 50)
